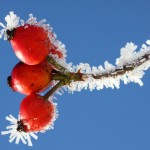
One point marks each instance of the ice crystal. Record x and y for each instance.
(110, 76)
(12, 21)
(18, 135)
(55, 116)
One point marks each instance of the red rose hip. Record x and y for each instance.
(36, 113)
(28, 79)
(31, 43)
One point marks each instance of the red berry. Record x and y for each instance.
(36, 113)
(31, 43)
(28, 79)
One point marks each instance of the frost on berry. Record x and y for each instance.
(29, 120)
(37, 114)
(16, 134)
(13, 21)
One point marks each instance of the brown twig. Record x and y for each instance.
(54, 89)
(124, 69)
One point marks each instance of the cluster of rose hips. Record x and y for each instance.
(33, 74)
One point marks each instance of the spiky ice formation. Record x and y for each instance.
(18, 135)
(130, 67)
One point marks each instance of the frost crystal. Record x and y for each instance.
(18, 135)
(55, 116)
(12, 21)
(109, 75)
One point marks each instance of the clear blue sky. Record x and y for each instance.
(93, 31)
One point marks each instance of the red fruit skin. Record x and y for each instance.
(36, 113)
(54, 51)
(28, 79)
(31, 44)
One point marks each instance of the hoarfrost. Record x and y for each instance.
(19, 136)
(55, 116)
(109, 74)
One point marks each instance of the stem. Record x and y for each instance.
(63, 80)
(53, 62)
(54, 89)
(65, 77)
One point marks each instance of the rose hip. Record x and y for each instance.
(31, 43)
(28, 79)
(36, 113)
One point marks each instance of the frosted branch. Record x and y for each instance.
(129, 67)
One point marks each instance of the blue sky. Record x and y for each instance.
(93, 31)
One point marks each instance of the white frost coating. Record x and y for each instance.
(12, 21)
(148, 42)
(128, 56)
(62, 62)
(108, 67)
(14, 134)
(55, 116)
(52, 36)
(127, 53)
